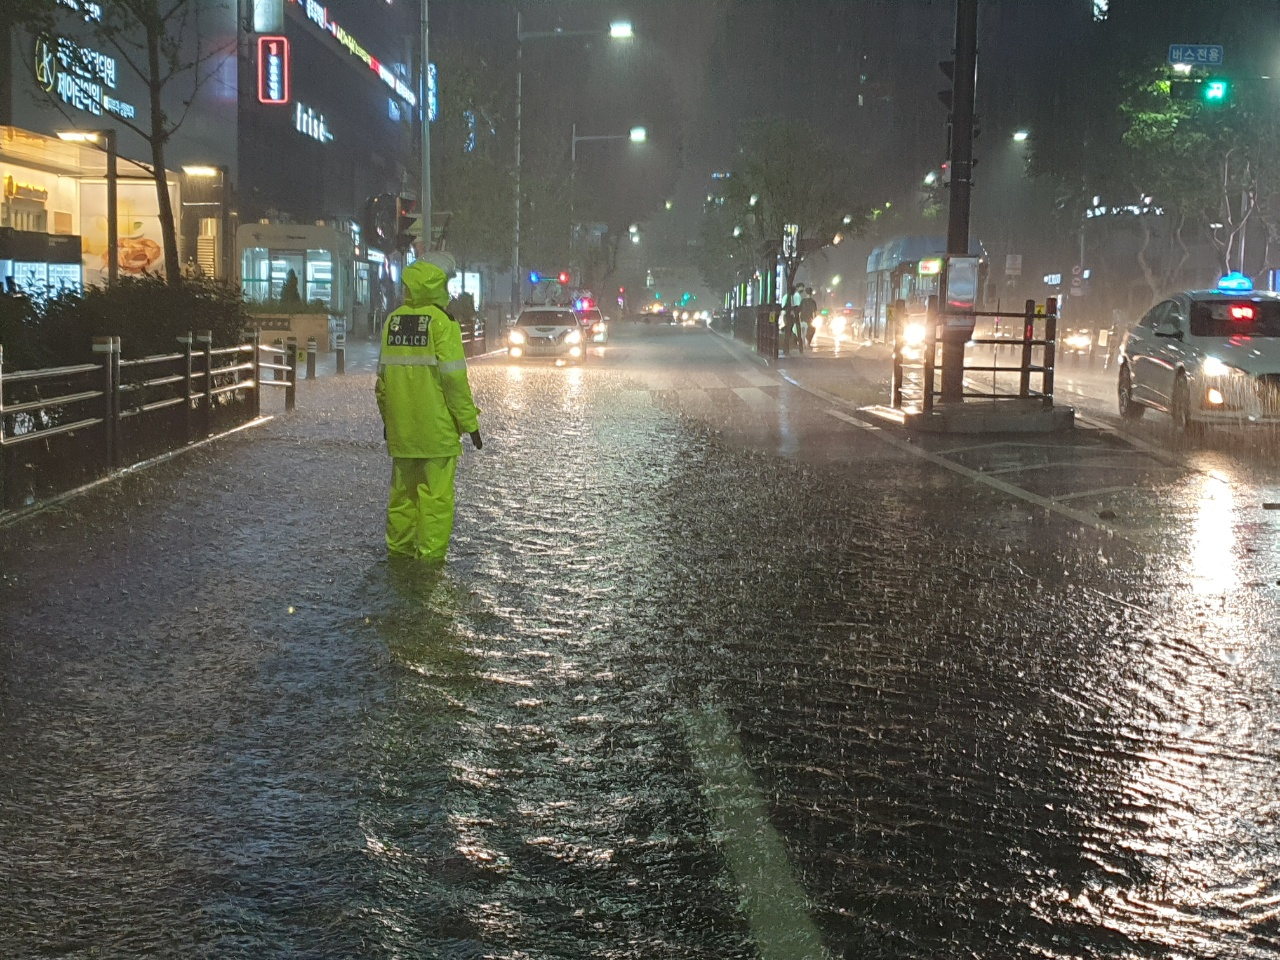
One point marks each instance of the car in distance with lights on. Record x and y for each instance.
(595, 329)
(1205, 357)
(550, 332)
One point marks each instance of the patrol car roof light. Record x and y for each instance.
(1235, 282)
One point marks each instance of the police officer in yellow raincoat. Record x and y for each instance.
(426, 406)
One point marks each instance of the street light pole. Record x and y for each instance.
(424, 106)
(620, 30)
(515, 248)
(113, 238)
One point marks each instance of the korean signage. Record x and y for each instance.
(80, 77)
(318, 14)
(273, 70)
(1195, 54)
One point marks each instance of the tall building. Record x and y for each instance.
(284, 114)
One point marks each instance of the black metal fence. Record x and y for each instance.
(63, 427)
(915, 365)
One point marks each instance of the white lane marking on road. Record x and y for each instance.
(757, 379)
(1099, 492)
(754, 397)
(776, 906)
(994, 482)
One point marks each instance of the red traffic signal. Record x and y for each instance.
(564, 278)
(622, 289)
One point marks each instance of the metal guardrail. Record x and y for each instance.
(64, 426)
(927, 364)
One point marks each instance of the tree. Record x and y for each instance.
(786, 173)
(470, 162)
(33, 14)
(162, 43)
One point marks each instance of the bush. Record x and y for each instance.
(146, 313)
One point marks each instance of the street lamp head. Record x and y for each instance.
(1020, 136)
(639, 134)
(621, 30)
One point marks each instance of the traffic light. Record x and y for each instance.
(564, 278)
(535, 276)
(948, 68)
(1216, 91)
(408, 224)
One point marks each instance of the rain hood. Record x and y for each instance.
(425, 285)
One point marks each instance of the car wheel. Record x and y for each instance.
(1180, 409)
(1130, 409)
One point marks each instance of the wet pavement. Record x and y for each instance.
(718, 668)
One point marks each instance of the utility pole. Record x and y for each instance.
(424, 203)
(515, 243)
(963, 92)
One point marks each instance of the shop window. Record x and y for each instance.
(319, 276)
(255, 273)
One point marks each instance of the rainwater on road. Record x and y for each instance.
(712, 672)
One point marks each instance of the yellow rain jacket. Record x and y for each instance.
(422, 387)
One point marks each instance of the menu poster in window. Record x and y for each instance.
(138, 233)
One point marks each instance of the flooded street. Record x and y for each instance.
(717, 668)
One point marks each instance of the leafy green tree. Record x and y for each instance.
(786, 172)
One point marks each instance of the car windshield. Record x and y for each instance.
(592, 316)
(1235, 318)
(547, 318)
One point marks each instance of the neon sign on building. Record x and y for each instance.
(318, 14)
(273, 70)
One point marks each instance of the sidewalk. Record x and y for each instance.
(856, 371)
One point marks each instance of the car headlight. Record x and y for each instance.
(1213, 367)
(1078, 341)
(913, 335)
(838, 325)
(575, 336)
(598, 328)
(515, 336)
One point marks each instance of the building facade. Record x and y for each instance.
(285, 112)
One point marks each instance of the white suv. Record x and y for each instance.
(1205, 356)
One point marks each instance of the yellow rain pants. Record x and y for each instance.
(420, 508)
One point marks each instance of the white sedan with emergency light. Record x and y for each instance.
(1204, 357)
(546, 332)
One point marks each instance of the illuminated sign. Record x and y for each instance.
(930, 268)
(24, 191)
(314, 125)
(318, 14)
(92, 12)
(273, 70)
(79, 76)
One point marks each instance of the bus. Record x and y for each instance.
(906, 268)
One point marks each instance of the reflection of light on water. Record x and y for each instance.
(1213, 538)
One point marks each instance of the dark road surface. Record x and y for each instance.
(717, 669)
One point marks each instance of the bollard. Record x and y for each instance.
(277, 359)
(340, 353)
(255, 344)
(106, 346)
(312, 348)
(291, 387)
(205, 339)
(188, 378)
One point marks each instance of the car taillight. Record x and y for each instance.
(1241, 311)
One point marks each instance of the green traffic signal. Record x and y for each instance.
(1216, 91)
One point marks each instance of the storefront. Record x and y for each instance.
(322, 259)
